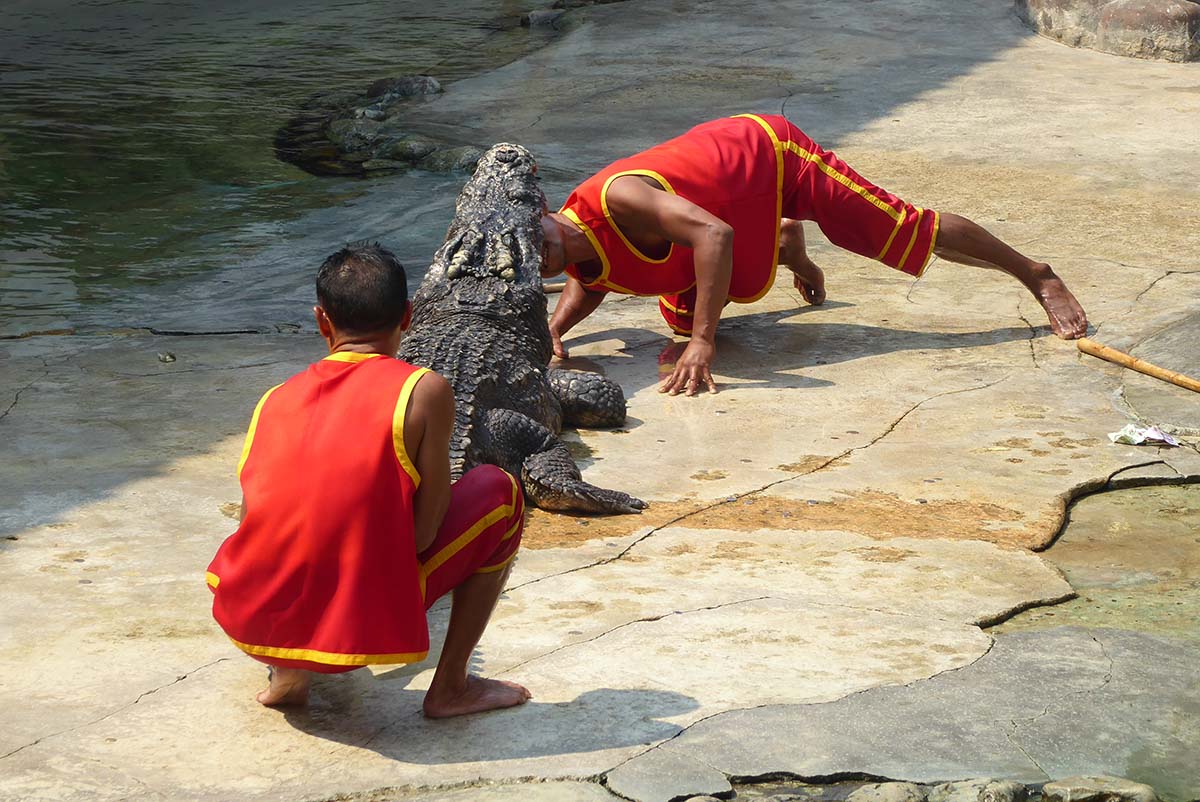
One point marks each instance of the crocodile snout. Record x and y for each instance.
(507, 154)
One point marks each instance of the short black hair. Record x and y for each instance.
(362, 288)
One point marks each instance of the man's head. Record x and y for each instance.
(553, 254)
(362, 294)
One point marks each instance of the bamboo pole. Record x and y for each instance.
(1140, 365)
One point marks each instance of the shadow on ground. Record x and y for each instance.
(605, 718)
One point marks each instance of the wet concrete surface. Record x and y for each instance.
(1133, 556)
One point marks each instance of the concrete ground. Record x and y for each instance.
(830, 536)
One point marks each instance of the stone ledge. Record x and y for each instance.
(1168, 30)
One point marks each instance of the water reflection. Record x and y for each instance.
(135, 137)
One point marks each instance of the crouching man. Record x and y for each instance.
(350, 525)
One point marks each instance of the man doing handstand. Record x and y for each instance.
(703, 219)
(350, 525)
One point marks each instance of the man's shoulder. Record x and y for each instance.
(432, 388)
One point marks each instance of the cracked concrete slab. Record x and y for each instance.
(826, 533)
(1038, 705)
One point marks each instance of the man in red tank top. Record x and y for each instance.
(350, 526)
(703, 219)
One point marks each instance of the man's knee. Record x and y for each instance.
(489, 480)
(497, 488)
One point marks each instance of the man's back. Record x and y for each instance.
(324, 565)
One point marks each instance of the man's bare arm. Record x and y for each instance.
(428, 423)
(639, 208)
(574, 304)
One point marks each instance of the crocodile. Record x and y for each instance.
(479, 319)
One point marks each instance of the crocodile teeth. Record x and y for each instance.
(508, 274)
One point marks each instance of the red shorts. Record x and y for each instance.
(853, 213)
(480, 534)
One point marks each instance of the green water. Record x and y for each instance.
(136, 144)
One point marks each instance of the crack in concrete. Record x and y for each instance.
(1011, 733)
(1151, 286)
(1017, 609)
(1108, 484)
(733, 499)
(1032, 336)
(17, 394)
(682, 730)
(646, 620)
(118, 711)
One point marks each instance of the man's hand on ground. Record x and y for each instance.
(556, 342)
(692, 370)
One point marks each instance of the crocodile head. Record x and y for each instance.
(493, 250)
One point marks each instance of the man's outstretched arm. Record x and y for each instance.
(638, 207)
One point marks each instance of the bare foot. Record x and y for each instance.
(1067, 318)
(289, 686)
(476, 696)
(809, 280)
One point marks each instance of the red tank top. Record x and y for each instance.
(324, 567)
(730, 167)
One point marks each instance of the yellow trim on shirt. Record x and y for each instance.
(330, 658)
(613, 223)
(398, 426)
(212, 579)
(349, 356)
(778, 146)
(591, 235)
(253, 427)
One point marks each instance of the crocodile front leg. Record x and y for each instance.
(588, 399)
(548, 472)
